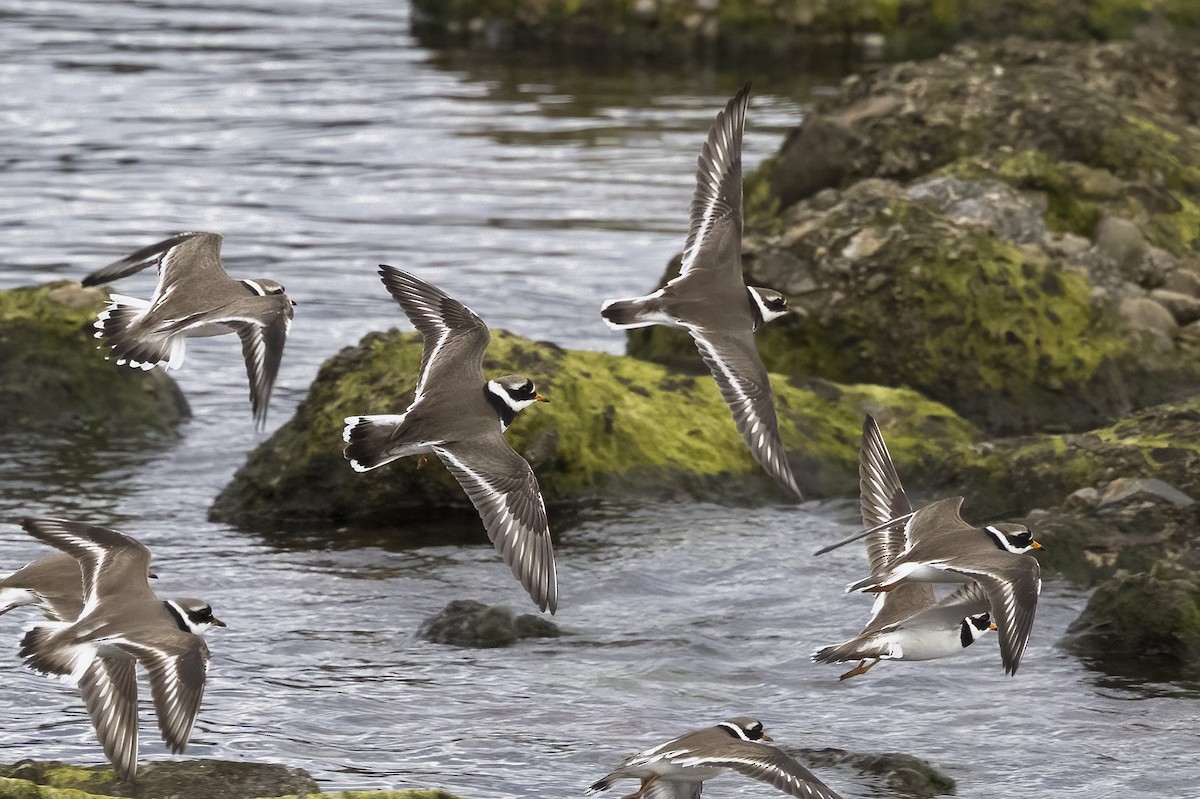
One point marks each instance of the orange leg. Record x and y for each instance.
(422, 460)
(861, 668)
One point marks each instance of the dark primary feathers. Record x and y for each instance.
(137, 261)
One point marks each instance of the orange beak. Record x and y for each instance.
(539, 398)
(992, 627)
(767, 737)
(1036, 545)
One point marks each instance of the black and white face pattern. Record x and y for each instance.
(747, 729)
(973, 627)
(1014, 538)
(193, 615)
(769, 303)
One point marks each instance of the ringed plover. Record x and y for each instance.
(711, 301)
(123, 623)
(461, 417)
(195, 297)
(678, 768)
(907, 622)
(53, 583)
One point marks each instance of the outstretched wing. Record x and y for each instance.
(452, 334)
(157, 253)
(764, 763)
(109, 688)
(503, 489)
(1012, 584)
(715, 235)
(742, 379)
(263, 339)
(177, 673)
(882, 497)
(111, 563)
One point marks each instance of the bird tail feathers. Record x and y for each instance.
(369, 441)
(115, 324)
(635, 312)
(43, 654)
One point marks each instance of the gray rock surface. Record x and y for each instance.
(467, 623)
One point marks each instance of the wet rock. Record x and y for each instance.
(1149, 616)
(901, 775)
(181, 779)
(1126, 490)
(956, 294)
(993, 204)
(52, 376)
(465, 622)
(615, 426)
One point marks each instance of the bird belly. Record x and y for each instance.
(910, 644)
(923, 573)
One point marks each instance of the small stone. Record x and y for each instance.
(1184, 280)
(1143, 313)
(1122, 242)
(1185, 308)
(1086, 497)
(1126, 490)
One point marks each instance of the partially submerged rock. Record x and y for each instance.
(53, 378)
(901, 775)
(615, 426)
(465, 622)
(1134, 621)
(176, 779)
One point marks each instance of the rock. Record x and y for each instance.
(1016, 331)
(894, 292)
(614, 426)
(1184, 308)
(1146, 315)
(1135, 619)
(1185, 279)
(1125, 490)
(1122, 242)
(178, 779)
(52, 376)
(1086, 497)
(901, 775)
(993, 204)
(465, 622)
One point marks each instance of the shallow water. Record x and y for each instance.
(321, 143)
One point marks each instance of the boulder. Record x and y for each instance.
(1135, 621)
(615, 426)
(467, 623)
(53, 377)
(176, 779)
(900, 775)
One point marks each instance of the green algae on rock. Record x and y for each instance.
(467, 623)
(1133, 621)
(179, 779)
(614, 426)
(52, 376)
(887, 222)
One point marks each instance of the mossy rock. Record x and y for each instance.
(615, 426)
(53, 377)
(892, 291)
(767, 28)
(191, 779)
(900, 775)
(1133, 621)
(467, 623)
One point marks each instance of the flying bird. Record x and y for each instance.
(461, 417)
(678, 768)
(908, 622)
(195, 297)
(711, 301)
(122, 623)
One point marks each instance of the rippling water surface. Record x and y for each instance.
(320, 139)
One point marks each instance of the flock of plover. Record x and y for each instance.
(103, 617)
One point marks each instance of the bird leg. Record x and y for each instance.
(861, 668)
(640, 792)
(422, 460)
